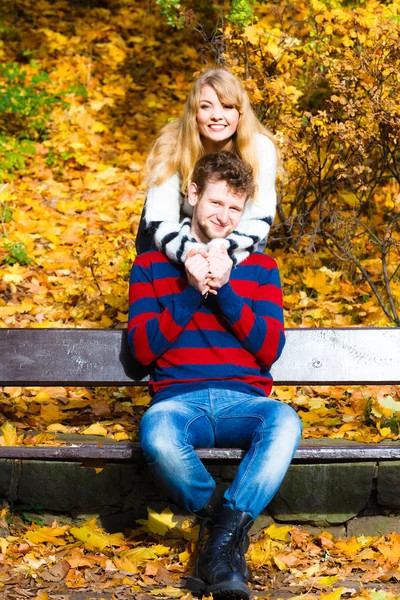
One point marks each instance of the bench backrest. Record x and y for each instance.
(102, 357)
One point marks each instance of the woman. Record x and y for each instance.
(217, 116)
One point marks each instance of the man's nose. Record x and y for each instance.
(223, 215)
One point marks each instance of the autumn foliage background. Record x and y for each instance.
(84, 87)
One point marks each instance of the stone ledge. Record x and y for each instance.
(324, 495)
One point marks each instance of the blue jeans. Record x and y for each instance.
(172, 428)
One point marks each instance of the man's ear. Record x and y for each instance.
(193, 194)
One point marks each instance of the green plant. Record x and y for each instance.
(393, 423)
(6, 213)
(368, 412)
(17, 253)
(26, 101)
(170, 10)
(242, 13)
(12, 154)
(29, 519)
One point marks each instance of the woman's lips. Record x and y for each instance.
(217, 127)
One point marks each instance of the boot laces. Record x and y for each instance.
(228, 547)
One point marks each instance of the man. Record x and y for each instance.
(212, 333)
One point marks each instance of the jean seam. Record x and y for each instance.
(248, 468)
(210, 478)
(256, 447)
(186, 435)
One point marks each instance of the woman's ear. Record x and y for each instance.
(193, 194)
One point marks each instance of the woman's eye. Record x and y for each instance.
(203, 106)
(228, 106)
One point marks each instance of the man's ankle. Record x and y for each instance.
(211, 507)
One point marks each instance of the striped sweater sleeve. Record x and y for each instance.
(153, 328)
(257, 325)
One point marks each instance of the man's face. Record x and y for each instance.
(216, 213)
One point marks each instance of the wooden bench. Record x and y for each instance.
(98, 357)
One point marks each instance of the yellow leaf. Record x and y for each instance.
(253, 32)
(95, 539)
(106, 322)
(7, 311)
(120, 436)
(13, 278)
(48, 534)
(315, 313)
(384, 431)
(184, 557)
(278, 533)
(169, 591)
(284, 394)
(98, 127)
(42, 397)
(280, 564)
(57, 428)
(316, 280)
(9, 435)
(349, 547)
(260, 553)
(69, 207)
(95, 429)
(124, 564)
(160, 549)
(159, 522)
(333, 595)
(349, 197)
(138, 555)
(389, 403)
(327, 582)
(190, 533)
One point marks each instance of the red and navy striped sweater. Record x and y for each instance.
(228, 341)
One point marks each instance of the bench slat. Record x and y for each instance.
(121, 452)
(102, 357)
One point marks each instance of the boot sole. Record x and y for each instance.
(237, 591)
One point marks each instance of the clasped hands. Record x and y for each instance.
(208, 270)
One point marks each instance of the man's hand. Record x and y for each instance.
(197, 267)
(220, 267)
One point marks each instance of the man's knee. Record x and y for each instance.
(286, 420)
(291, 421)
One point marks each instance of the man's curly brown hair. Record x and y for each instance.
(224, 166)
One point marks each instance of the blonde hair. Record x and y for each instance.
(178, 146)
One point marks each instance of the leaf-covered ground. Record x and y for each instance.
(57, 561)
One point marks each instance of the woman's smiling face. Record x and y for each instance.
(217, 122)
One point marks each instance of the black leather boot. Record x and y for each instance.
(211, 508)
(221, 567)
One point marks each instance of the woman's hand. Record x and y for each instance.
(219, 270)
(196, 267)
(208, 271)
